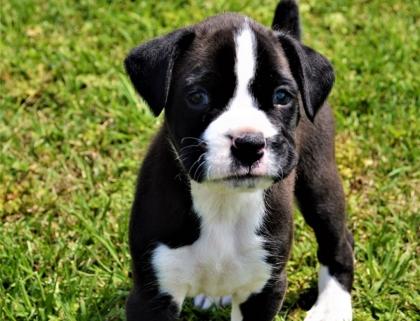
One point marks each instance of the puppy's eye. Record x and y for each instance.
(281, 97)
(198, 98)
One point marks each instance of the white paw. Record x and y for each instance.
(333, 303)
(329, 312)
(205, 302)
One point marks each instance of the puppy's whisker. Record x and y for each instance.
(197, 161)
(197, 146)
(201, 141)
(201, 164)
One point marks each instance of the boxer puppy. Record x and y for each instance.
(246, 129)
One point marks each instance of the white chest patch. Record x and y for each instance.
(228, 258)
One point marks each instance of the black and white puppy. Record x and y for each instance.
(246, 129)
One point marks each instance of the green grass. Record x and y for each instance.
(72, 134)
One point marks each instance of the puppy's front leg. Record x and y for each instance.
(321, 200)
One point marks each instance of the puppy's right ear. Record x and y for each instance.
(150, 66)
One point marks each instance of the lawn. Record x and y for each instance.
(73, 132)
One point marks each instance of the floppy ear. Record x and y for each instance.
(150, 66)
(313, 73)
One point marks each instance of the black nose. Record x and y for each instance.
(248, 148)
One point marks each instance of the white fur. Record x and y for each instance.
(333, 303)
(241, 115)
(228, 258)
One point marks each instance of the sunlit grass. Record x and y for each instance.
(72, 134)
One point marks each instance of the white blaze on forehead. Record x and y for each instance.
(245, 60)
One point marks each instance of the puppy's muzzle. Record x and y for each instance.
(248, 148)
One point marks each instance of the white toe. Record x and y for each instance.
(225, 301)
(208, 302)
(198, 300)
(203, 302)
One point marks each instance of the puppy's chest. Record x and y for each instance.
(226, 259)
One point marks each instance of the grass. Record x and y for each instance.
(73, 132)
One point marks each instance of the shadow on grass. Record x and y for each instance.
(108, 306)
(300, 299)
(111, 306)
(294, 300)
(190, 313)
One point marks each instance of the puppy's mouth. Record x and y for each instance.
(245, 181)
(242, 177)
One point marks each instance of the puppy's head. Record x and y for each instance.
(231, 90)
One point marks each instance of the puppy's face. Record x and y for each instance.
(233, 108)
(231, 102)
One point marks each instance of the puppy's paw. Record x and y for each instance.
(330, 311)
(333, 303)
(205, 302)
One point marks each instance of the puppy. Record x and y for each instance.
(246, 129)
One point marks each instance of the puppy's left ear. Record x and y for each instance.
(313, 73)
(150, 66)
